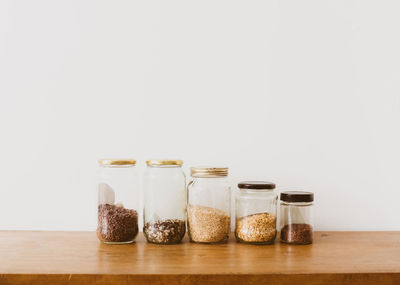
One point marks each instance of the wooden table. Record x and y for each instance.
(79, 258)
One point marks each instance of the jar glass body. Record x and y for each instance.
(165, 200)
(209, 201)
(256, 213)
(118, 204)
(296, 222)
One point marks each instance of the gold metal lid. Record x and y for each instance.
(208, 171)
(156, 162)
(116, 161)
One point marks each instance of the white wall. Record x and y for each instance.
(303, 93)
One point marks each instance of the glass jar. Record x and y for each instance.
(209, 205)
(296, 217)
(118, 201)
(256, 209)
(165, 200)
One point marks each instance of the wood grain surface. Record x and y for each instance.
(79, 258)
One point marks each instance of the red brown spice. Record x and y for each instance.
(297, 234)
(116, 224)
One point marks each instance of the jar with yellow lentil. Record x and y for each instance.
(209, 201)
(256, 209)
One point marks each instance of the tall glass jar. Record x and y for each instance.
(297, 217)
(256, 209)
(209, 205)
(118, 201)
(165, 200)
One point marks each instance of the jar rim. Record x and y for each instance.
(164, 166)
(256, 185)
(159, 162)
(208, 172)
(297, 196)
(112, 162)
(256, 190)
(299, 204)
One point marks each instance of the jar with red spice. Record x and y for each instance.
(296, 216)
(118, 201)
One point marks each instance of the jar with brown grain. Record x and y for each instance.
(209, 201)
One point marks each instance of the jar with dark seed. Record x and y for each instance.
(165, 199)
(296, 216)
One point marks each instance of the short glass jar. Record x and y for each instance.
(256, 209)
(296, 217)
(165, 200)
(209, 201)
(118, 201)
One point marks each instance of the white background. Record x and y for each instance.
(302, 93)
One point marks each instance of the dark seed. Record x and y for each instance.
(165, 231)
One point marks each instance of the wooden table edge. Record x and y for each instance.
(231, 278)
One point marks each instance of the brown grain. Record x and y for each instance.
(208, 225)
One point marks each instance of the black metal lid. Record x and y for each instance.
(297, 196)
(256, 185)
